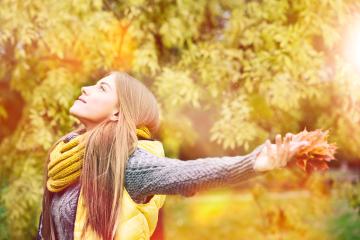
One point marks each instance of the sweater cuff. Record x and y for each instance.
(244, 169)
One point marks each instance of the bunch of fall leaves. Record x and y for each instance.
(317, 154)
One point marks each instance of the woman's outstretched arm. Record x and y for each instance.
(147, 174)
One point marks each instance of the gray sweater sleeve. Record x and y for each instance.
(147, 174)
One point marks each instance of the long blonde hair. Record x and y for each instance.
(108, 147)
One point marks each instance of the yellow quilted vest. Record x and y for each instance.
(138, 221)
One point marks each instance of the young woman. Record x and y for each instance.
(108, 179)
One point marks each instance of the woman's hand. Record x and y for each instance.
(277, 155)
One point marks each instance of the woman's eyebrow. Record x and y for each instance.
(105, 83)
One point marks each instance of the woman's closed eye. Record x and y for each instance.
(102, 88)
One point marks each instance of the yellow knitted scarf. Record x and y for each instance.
(66, 161)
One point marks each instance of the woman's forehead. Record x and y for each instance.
(107, 80)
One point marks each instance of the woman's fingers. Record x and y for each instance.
(269, 150)
(283, 149)
(290, 135)
(268, 147)
(279, 149)
(279, 154)
(278, 142)
(286, 150)
(284, 154)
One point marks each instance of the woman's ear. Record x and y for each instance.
(114, 116)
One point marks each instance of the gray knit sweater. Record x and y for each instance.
(147, 175)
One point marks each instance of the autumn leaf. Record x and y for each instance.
(314, 156)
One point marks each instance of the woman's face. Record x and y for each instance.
(96, 103)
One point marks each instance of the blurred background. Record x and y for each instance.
(228, 74)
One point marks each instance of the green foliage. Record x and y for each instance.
(276, 52)
(345, 224)
(20, 199)
(235, 114)
(4, 231)
(178, 91)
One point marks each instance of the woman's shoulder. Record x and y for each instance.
(152, 146)
(146, 157)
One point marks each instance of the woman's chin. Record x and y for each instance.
(74, 111)
(79, 113)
